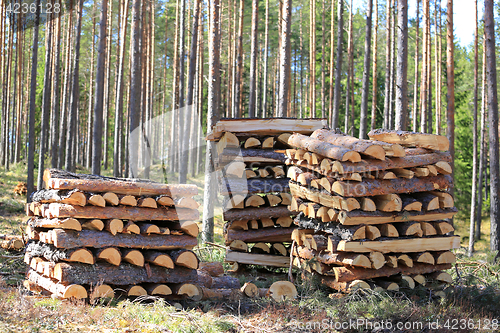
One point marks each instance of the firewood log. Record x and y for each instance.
(419, 140)
(323, 148)
(185, 258)
(377, 260)
(388, 202)
(256, 213)
(419, 278)
(444, 257)
(282, 290)
(128, 200)
(386, 285)
(268, 222)
(51, 253)
(443, 227)
(445, 199)
(235, 168)
(57, 289)
(443, 167)
(111, 199)
(164, 200)
(257, 259)
(251, 143)
(238, 225)
(131, 228)
(423, 257)
(228, 139)
(388, 230)
(403, 173)
(238, 245)
(212, 268)
(409, 203)
(268, 143)
(134, 257)
(71, 197)
(113, 226)
(372, 232)
(64, 223)
(429, 201)
(409, 229)
(254, 201)
(345, 287)
(359, 217)
(391, 260)
(428, 229)
(395, 245)
(147, 202)
(255, 157)
(440, 276)
(405, 260)
(263, 235)
(159, 289)
(100, 292)
(158, 258)
(111, 255)
(260, 248)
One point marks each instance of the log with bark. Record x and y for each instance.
(265, 126)
(64, 180)
(214, 268)
(256, 213)
(259, 235)
(323, 148)
(59, 290)
(111, 255)
(57, 210)
(51, 253)
(371, 187)
(356, 232)
(412, 139)
(158, 258)
(229, 186)
(395, 245)
(71, 197)
(125, 274)
(98, 239)
(360, 217)
(255, 157)
(63, 223)
(11, 242)
(257, 259)
(327, 258)
(345, 287)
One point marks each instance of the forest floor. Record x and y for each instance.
(471, 300)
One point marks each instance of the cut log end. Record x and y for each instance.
(282, 290)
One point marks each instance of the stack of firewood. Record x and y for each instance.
(253, 182)
(92, 237)
(372, 213)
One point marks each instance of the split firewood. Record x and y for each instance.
(268, 143)
(400, 185)
(385, 174)
(394, 150)
(440, 276)
(443, 227)
(133, 257)
(306, 178)
(444, 257)
(395, 245)
(260, 248)
(96, 200)
(372, 232)
(88, 238)
(64, 223)
(254, 224)
(254, 201)
(234, 201)
(251, 143)
(419, 278)
(238, 225)
(51, 253)
(409, 203)
(391, 261)
(323, 214)
(158, 258)
(312, 209)
(428, 229)
(315, 242)
(445, 199)
(147, 202)
(214, 269)
(238, 245)
(345, 287)
(135, 291)
(128, 200)
(386, 285)
(228, 139)
(405, 260)
(409, 229)
(403, 173)
(273, 200)
(249, 173)
(159, 289)
(327, 258)
(299, 154)
(323, 148)
(131, 228)
(235, 168)
(429, 201)
(148, 228)
(185, 258)
(404, 138)
(388, 230)
(57, 289)
(268, 222)
(257, 259)
(71, 197)
(256, 213)
(294, 172)
(365, 147)
(284, 221)
(367, 205)
(32, 233)
(111, 199)
(113, 226)
(421, 171)
(101, 291)
(279, 249)
(278, 171)
(110, 255)
(423, 257)
(359, 217)
(164, 200)
(433, 171)
(443, 167)
(388, 202)
(377, 260)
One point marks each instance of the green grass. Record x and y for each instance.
(473, 295)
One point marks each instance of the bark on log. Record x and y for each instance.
(65, 223)
(71, 197)
(229, 186)
(57, 210)
(419, 140)
(395, 245)
(51, 253)
(410, 203)
(256, 213)
(370, 148)
(98, 239)
(222, 295)
(158, 258)
(125, 274)
(346, 274)
(257, 259)
(369, 165)
(372, 187)
(214, 269)
(360, 217)
(254, 156)
(345, 287)
(327, 258)
(323, 148)
(259, 235)
(64, 180)
(342, 232)
(57, 289)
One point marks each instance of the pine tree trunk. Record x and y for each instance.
(312, 56)
(437, 61)
(489, 26)
(474, 148)
(212, 115)
(107, 84)
(393, 66)
(374, 80)
(55, 95)
(332, 59)
(387, 97)
(338, 66)
(402, 67)
(91, 93)
(31, 134)
(424, 91)
(253, 60)
(284, 83)
(237, 113)
(417, 63)
(47, 85)
(323, 33)
(483, 143)
(363, 117)
(349, 70)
